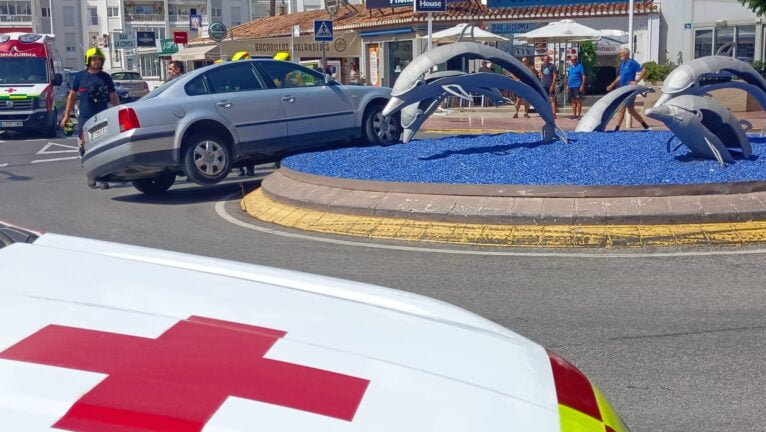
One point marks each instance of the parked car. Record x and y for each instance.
(122, 93)
(207, 121)
(118, 337)
(132, 82)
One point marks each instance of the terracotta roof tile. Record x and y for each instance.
(361, 18)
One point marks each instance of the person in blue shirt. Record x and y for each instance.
(628, 70)
(576, 86)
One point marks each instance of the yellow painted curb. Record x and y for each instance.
(259, 206)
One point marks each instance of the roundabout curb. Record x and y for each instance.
(260, 206)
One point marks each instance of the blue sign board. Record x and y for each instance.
(383, 4)
(322, 31)
(146, 39)
(524, 3)
(513, 27)
(430, 5)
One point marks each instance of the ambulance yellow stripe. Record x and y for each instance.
(608, 413)
(576, 421)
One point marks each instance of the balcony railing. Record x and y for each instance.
(15, 18)
(132, 17)
(184, 18)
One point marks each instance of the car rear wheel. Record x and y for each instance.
(155, 185)
(380, 129)
(207, 159)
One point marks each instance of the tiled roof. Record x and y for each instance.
(470, 11)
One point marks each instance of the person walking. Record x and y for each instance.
(549, 76)
(175, 69)
(520, 101)
(576, 84)
(628, 70)
(92, 88)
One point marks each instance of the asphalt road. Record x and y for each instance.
(677, 342)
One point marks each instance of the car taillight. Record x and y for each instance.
(128, 119)
(582, 406)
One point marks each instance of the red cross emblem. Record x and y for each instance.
(10, 90)
(179, 380)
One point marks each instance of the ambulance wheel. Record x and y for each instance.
(52, 128)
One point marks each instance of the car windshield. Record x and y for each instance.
(125, 76)
(20, 70)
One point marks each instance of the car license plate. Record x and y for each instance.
(11, 124)
(97, 132)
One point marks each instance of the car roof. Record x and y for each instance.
(429, 362)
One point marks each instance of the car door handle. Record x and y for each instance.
(224, 104)
(289, 99)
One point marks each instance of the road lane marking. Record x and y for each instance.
(55, 159)
(46, 149)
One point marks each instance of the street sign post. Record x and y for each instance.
(323, 33)
(430, 6)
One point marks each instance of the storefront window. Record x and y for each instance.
(703, 43)
(399, 56)
(723, 36)
(746, 43)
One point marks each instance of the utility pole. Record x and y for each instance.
(631, 7)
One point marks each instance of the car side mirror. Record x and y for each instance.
(58, 79)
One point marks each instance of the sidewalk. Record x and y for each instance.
(500, 119)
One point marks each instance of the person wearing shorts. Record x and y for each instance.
(576, 84)
(628, 70)
(549, 75)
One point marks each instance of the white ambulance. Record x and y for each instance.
(32, 97)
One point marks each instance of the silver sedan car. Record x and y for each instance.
(206, 122)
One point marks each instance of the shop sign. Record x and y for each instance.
(374, 66)
(146, 39)
(514, 28)
(195, 22)
(524, 3)
(124, 41)
(217, 31)
(608, 49)
(167, 46)
(384, 4)
(181, 37)
(430, 5)
(346, 44)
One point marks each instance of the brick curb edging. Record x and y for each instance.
(304, 192)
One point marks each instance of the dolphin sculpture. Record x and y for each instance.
(459, 85)
(599, 115)
(719, 120)
(413, 115)
(710, 73)
(414, 74)
(686, 122)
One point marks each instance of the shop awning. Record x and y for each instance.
(386, 32)
(197, 53)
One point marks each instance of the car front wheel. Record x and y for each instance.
(155, 185)
(380, 129)
(207, 160)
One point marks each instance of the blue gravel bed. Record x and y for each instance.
(613, 158)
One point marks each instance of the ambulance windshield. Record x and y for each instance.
(23, 70)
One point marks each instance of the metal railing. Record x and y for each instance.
(145, 17)
(15, 18)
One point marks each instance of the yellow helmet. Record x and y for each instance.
(242, 55)
(218, 61)
(282, 55)
(93, 52)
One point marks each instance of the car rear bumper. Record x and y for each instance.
(131, 156)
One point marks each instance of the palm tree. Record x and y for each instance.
(757, 6)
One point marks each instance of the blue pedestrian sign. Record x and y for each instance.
(323, 31)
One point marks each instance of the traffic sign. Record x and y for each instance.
(430, 5)
(124, 41)
(217, 31)
(322, 31)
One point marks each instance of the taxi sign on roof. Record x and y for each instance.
(323, 31)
